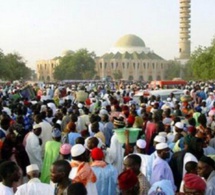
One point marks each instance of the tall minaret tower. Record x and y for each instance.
(184, 43)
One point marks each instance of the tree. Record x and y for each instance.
(117, 74)
(77, 65)
(202, 62)
(13, 67)
(172, 70)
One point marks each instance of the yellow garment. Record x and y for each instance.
(101, 136)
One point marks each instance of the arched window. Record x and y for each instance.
(144, 65)
(153, 65)
(128, 65)
(134, 65)
(112, 65)
(117, 65)
(105, 65)
(123, 65)
(100, 65)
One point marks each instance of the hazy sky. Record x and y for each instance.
(43, 29)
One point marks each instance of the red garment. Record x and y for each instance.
(193, 181)
(97, 154)
(151, 128)
(130, 120)
(127, 180)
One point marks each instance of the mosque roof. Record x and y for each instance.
(130, 40)
(132, 56)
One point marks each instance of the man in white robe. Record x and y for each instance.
(34, 185)
(33, 146)
(160, 168)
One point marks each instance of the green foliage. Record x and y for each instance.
(77, 65)
(117, 74)
(173, 70)
(13, 67)
(202, 62)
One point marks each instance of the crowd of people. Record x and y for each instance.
(63, 140)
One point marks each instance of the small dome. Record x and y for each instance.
(130, 41)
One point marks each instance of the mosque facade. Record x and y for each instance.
(45, 69)
(130, 59)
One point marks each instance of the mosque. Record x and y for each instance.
(130, 59)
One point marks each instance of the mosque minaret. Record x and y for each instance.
(184, 41)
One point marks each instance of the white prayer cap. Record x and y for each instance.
(211, 93)
(32, 167)
(161, 146)
(37, 126)
(179, 125)
(77, 150)
(159, 139)
(141, 143)
(59, 122)
(80, 105)
(164, 134)
(168, 99)
(103, 111)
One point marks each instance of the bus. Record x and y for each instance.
(167, 84)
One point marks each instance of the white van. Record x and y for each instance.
(163, 93)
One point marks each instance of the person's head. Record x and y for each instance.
(95, 127)
(74, 117)
(196, 145)
(179, 126)
(104, 118)
(191, 167)
(193, 184)
(92, 142)
(9, 172)
(128, 183)
(78, 153)
(76, 189)
(205, 166)
(32, 171)
(5, 123)
(79, 140)
(163, 150)
(38, 118)
(202, 120)
(140, 146)
(56, 134)
(60, 170)
(133, 162)
(97, 154)
(65, 150)
(37, 129)
(159, 139)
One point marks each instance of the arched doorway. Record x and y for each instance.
(130, 78)
(150, 78)
(48, 78)
(141, 77)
